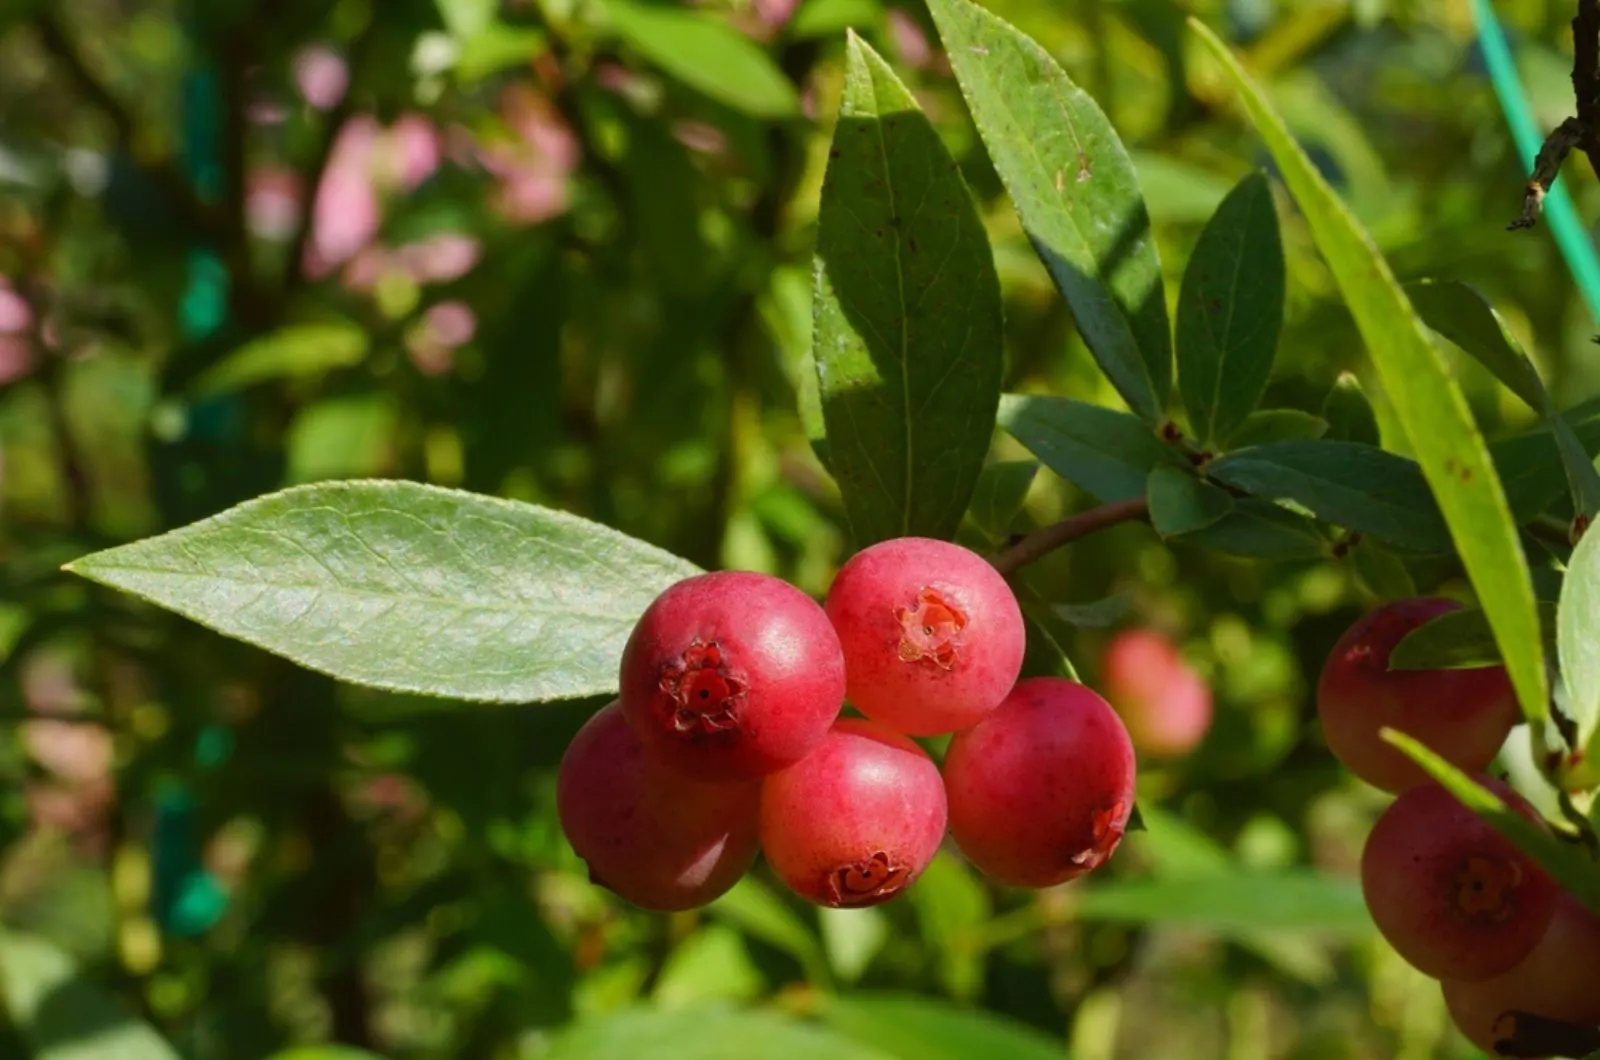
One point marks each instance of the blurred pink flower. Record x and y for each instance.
(410, 153)
(16, 315)
(440, 258)
(910, 42)
(434, 339)
(776, 13)
(533, 167)
(272, 203)
(16, 318)
(73, 751)
(368, 267)
(345, 212)
(701, 136)
(322, 76)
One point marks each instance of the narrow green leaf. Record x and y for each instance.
(1277, 425)
(952, 906)
(1002, 488)
(1258, 529)
(406, 587)
(1096, 614)
(1234, 902)
(1465, 317)
(1535, 467)
(1230, 310)
(1429, 404)
(64, 1016)
(908, 339)
(917, 1028)
(1180, 503)
(1106, 453)
(753, 908)
(716, 1033)
(1459, 640)
(1349, 413)
(1578, 636)
(1354, 486)
(1045, 654)
(292, 352)
(708, 55)
(1565, 862)
(1077, 194)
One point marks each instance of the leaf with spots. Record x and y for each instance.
(907, 326)
(406, 587)
(1230, 310)
(1076, 191)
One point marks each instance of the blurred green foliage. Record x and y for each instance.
(560, 250)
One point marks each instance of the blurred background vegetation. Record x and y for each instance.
(559, 250)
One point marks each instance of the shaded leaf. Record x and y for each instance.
(1230, 311)
(706, 54)
(1418, 383)
(1565, 862)
(406, 587)
(1045, 653)
(753, 908)
(951, 905)
(1381, 571)
(1532, 466)
(851, 938)
(717, 1033)
(1107, 454)
(1462, 315)
(1076, 191)
(1259, 529)
(1097, 614)
(916, 1028)
(1358, 487)
(999, 495)
(1181, 503)
(1349, 413)
(908, 341)
(62, 1015)
(1458, 640)
(1234, 902)
(1277, 425)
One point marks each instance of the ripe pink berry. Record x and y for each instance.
(1041, 790)
(732, 675)
(651, 835)
(1463, 715)
(932, 635)
(1453, 896)
(855, 822)
(1557, 981)
(1163, 702)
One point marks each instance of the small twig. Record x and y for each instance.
(1042, 542)
(1546, 168)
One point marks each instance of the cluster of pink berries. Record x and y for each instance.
(727, 740)
(1453, 897)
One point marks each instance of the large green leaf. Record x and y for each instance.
(1578, 635)
(1566, 863)
(1259, 529)
(64, 1016)
(1077, 193)
(908, 1027)
(1234, 902)
(1354, 486)
(1106, 453)
(908, 338)
(706, 54)
(1429, 404)
(408, 587)
(1230, 310)
(1458, 640)
(705, 1033)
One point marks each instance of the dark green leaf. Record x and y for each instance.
(1354, 486)
(1462, 315)
(1106, 453)
(1532, 466)
(1418, 383)
(1348, 412)
(1002, 488)
(1565, 862)
(1096, 614)
(706, 54)
(1076, 191)
(907, 330)
(716, 1033)
(1045, 654)
(1578, 638)
(1234, 901)
(1230, 310)
(1180, 503)
(1259, 529)
(1381, 571)
(64, 1016)
(406, 587)
(1458, 640)
(916, 1028)
(1277, 425)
